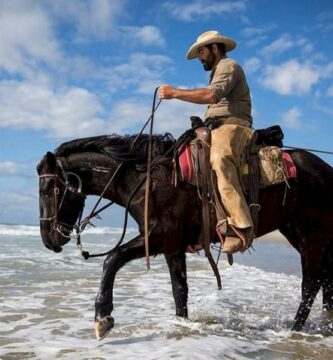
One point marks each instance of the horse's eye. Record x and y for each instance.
(46, 186)
(43, 192)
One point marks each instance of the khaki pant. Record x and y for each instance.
(227, 147)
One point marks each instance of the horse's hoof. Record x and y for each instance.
(103, 327)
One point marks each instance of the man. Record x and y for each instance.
(229, 114)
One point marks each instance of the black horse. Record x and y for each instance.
(84, 166)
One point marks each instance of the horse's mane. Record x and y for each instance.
(118, 147)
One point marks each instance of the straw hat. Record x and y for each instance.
(210, 37)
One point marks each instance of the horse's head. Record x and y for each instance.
(60, 201)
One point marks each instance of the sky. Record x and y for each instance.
(77, 68)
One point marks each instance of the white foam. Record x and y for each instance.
(31, 230)
(47, 310)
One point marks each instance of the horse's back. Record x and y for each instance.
(313, 171)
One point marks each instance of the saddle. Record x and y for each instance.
(265, 165)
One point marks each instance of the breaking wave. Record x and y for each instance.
(33, 230)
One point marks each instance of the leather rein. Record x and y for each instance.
(80, 226)
(60, 226)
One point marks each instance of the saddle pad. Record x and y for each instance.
(186, 164)
(289, 165)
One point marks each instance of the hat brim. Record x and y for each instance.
(193, 52)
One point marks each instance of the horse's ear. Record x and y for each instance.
(51, 161)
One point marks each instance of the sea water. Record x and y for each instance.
(47, 304)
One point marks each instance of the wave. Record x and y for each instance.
(33, 230)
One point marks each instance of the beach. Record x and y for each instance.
(47, 304)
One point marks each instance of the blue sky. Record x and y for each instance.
(78, 68)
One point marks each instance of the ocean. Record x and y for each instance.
(47, 304)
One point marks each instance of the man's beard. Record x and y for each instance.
(208, 64)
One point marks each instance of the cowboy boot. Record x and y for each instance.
(235, 240)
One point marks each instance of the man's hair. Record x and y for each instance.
(220, 46)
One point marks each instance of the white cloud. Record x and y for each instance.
(93, 19)
(324, 22)
(292, 118)
(9, 168)
(290, 78)
(328, 110)
(327, 71)
(250, 32)
(251, 65)
(203, 9)
(172, 116)
(330, 91)
(127, 115)
(255, 35)
(75, 112)
(64, 113)
(278, 46)
(305, 45)
(146, 35)
(26, 38)
(143, 73)
(286, 42)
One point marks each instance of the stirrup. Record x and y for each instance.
(246, 242)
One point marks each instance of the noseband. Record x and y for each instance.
(60, 226)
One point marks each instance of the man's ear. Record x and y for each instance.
(215, 49)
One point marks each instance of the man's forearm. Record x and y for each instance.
(197, 96)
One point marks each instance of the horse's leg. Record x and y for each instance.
(177, 267)
(310, 287)
(328, 279)
(104, 301)
(311, 268)
(328, 294)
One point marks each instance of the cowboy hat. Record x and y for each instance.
(210, 37)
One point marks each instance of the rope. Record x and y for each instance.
(312, 150)
(94, 213)
(149, 160)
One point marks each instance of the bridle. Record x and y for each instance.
(57, 225)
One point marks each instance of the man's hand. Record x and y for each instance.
(166, 92)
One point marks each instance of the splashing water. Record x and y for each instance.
(47, 305)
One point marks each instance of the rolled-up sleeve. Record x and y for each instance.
(224, 81)
(232, 94)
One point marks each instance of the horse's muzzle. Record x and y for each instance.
(55, 248)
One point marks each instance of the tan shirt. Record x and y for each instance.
(231, 90)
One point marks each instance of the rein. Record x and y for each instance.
(95, 213)
(86, 221)
(148, 178)
(311, 150)
(82, 225)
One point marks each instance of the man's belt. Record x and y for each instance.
(215, 122)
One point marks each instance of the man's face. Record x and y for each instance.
(207, 58)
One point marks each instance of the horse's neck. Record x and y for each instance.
(95, 171)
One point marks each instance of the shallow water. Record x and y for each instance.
(47, 305)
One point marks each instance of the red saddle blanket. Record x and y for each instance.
(188, 168)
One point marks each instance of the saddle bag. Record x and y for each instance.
(272, 136)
